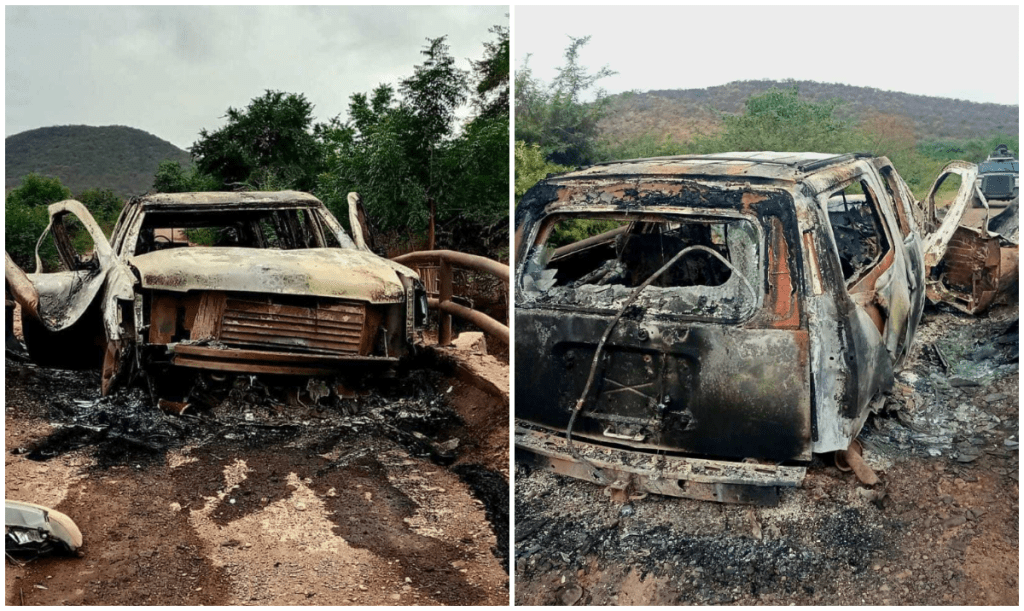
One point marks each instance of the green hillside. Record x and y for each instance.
(682, 113)
(122, 159)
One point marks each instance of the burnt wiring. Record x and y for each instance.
(629, 301)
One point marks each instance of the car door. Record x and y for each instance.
(66, 293)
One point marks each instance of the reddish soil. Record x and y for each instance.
(308, 518)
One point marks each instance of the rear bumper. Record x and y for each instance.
(264, 361)
(625, 470)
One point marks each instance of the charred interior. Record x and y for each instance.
(601, 270)
(860, 239)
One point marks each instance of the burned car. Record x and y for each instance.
(972, 248)
(262, 282)
(699, 326)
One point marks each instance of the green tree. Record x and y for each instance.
(268, 144)
(492, 76)
(554, 116)
(25, 216)
(400, 149)
(532, 167)
(780, 121)
(172, 178)
(36, 190)
(104, 205)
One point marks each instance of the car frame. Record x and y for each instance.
(727, 398)
(285, 290)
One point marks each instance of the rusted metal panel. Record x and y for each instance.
(311, 272)
(209, 314)
(265, 361)
(21, 287)
(975, 271)
(163, 318)
(335, 328)
(699, 478)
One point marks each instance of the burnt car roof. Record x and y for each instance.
(789, 167)
(249, 199)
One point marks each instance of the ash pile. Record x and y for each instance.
(133, 425)
(957, 396)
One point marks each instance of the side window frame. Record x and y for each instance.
(884, 221)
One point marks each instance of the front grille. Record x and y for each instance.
(999, 185)
(336, 328)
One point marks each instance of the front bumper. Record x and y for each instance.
(264, 361)
(629, 471)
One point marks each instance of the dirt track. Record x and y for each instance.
(945, 531)
(253, 506)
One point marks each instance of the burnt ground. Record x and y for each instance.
(269, 498)
(945, 530)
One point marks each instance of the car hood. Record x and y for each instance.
(321, 272)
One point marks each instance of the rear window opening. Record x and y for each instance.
(609, 256)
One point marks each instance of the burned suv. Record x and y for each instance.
(699, 326)
(233, 282)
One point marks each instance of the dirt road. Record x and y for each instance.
(259, 503)
(945, 531)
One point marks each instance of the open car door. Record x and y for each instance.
(81, 301)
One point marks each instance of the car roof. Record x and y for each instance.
(769, 165)
(220, 199)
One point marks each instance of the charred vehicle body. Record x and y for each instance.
(972, 249)
(233, 282)
(699, 326)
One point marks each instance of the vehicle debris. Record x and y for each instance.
(37, 530)
(727, 317)
(972, 252)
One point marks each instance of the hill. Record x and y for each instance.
(122, 159)
(684, 112)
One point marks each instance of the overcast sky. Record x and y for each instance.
(935, 51)
(174, 70)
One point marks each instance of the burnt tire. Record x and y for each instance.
(77, 347)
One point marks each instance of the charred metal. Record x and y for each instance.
(233, 282)
(742, 308)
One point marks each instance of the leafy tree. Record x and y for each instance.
(554, 116)
(781, 121)
(25, 216)
(268, 144)
(172, 178)
(104, 205)
(492, 75)
(401, 150)
(36, 190)
(434, 93)
(531, 167)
